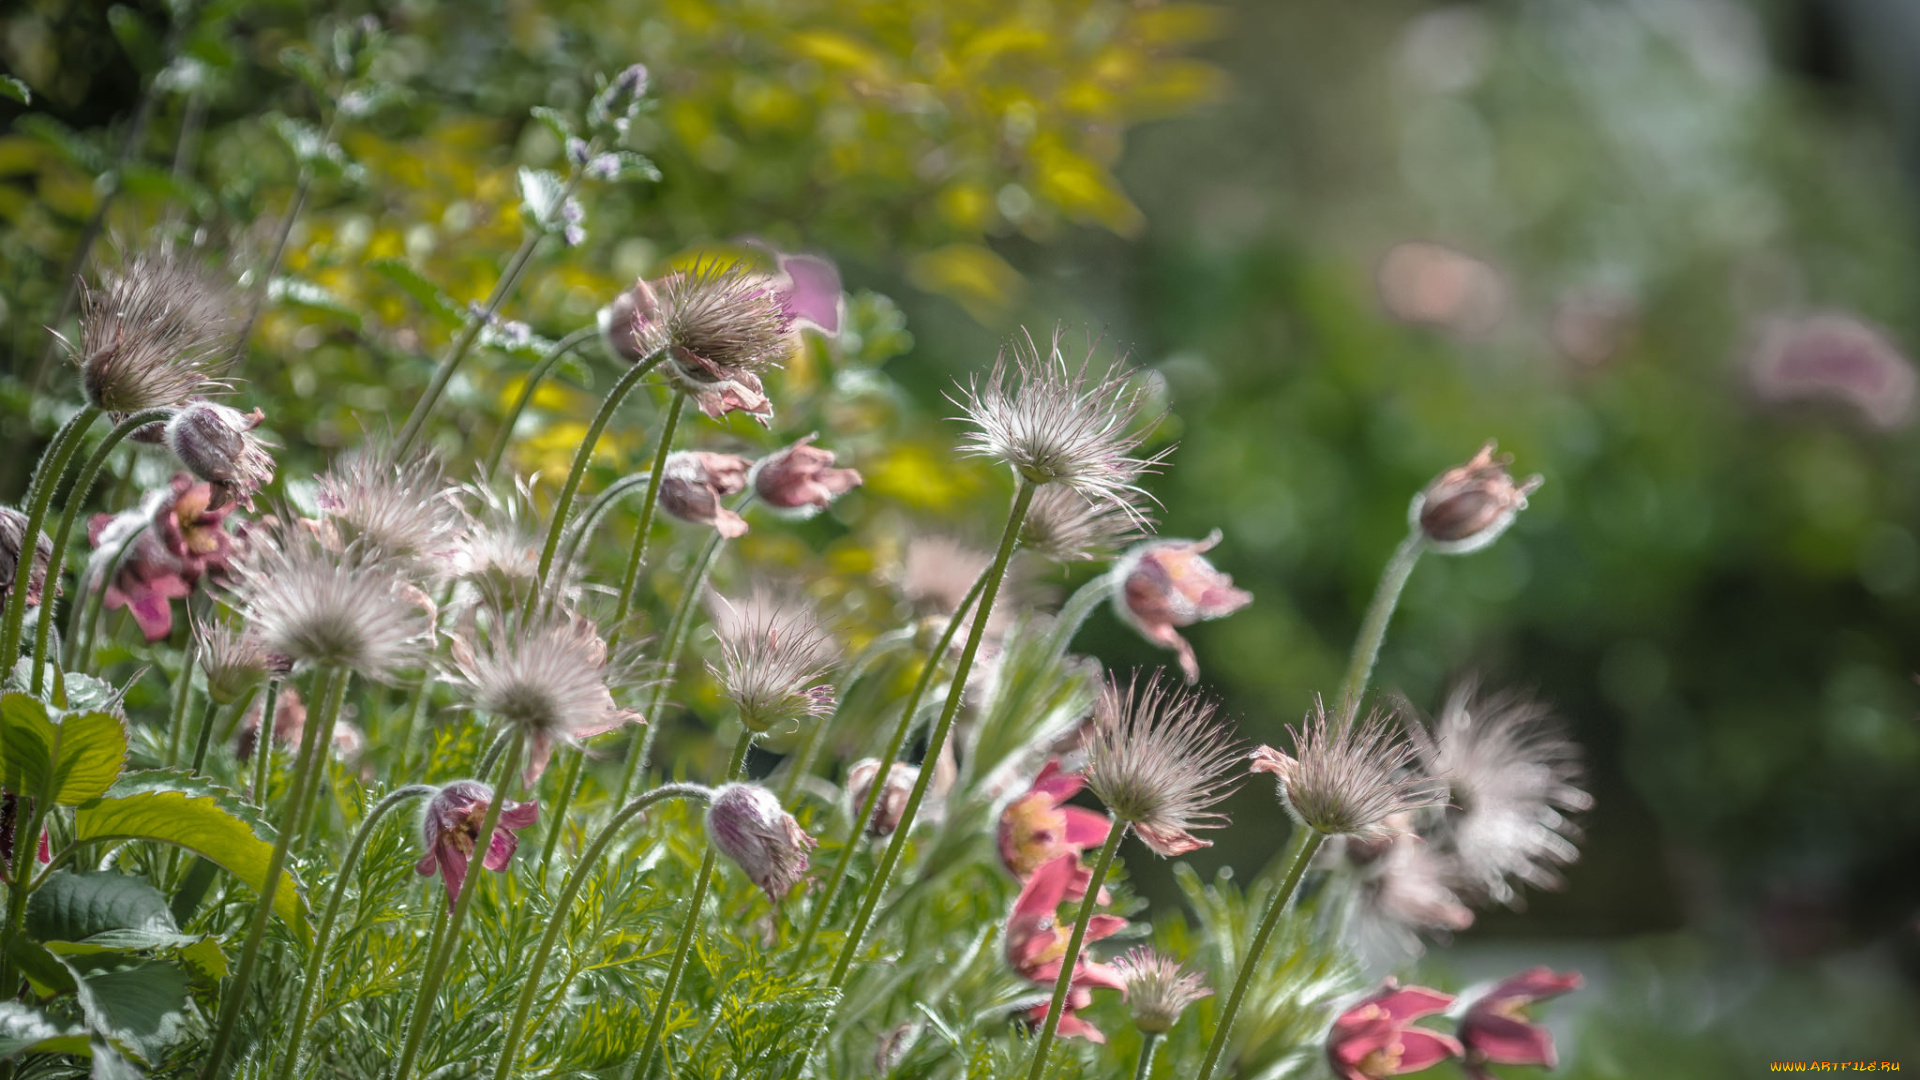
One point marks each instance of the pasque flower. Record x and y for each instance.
(153, 335)
(384, 508)
(801, 477)
(1377, 1037)
(1160, 761)
(1469, 506)
(1159, 989)
(1166, 584)
(13, 532)
(178, 536)
(773, 652)
(720, 324)
(1495, 1030)
(234, 660)
(1066, 526)
(217, 444)
(1039, 827)
(748, 825)
(548, 677)
(1348, 779)
(1037, 943)
(693, 482)
(451, 829)
(318, 605)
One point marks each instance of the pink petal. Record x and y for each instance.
(154, 615)
(1169, 842)
(729, 524)
(813, 296)
(501, 850)
(1084, 827)
(1104, 926)
(1504, 1040)
(453, 869)
(539, 752)
(1089, 974)
(521, 816)
(1060, 785)
(1423, 1049)
(1072, 1027)
(425, 865)
(1047, 887)
(1533, 984)
(1405, 1003)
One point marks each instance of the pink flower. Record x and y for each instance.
(1495, 1032)
(801, 476)
(693, 483)
(1037, 943)
(183, 538)
(809, 288)
(1168, 584)
(1836, 357)
(452, 832)
(1038, 827)
(746, 823)
(1377, 1039)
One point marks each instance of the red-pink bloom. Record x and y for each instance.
(1837, 357)
(1037, 943)
(1168, 584)
(1495, 1030)
(1038, 827)
(1377, 1039)
(183, 538)
(693, 483)
(801, 476)
(452, 832)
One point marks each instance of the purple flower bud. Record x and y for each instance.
(746, 823)
(802, 476)
(451, 829)
(577, 150)
(693, 483)
(217, 444)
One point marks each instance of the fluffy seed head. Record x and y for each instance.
(1066, 526)
(234, 660)
(746, 823)
(1348, 779)
(1056, 422)
(153, 335)
(392, 510)
(217, 444)
(1469, 506)
(498, 556)
(1159, 761)
(1159, 989)
(548, 677)
(318, 605)
(773, 651)
(721, 326)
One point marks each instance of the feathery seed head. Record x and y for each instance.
(153, 335)
(721, 325)
(1159, 760)
(1469, 506)
(317, 605)
(773, 652)
(217, 444)
(549, 677)
(1066, 526)
(235, 661)
(747, 824)
(1159, 989)
(1348, 779)
(498, 557)
(1058, 423)
(391, 510)
(693, 482)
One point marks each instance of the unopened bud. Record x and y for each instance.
(892, 803)
(217, 444)
(1469, 506)
(802, 477)
(745, 822)
(693, 482)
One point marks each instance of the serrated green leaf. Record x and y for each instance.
(541, 193)
(75, 755)
(140, 1005)
(24, 1029)
(204, 959)
(635, 167)
(424, 292)
(171, 806)
(314, 297)
(34, 960)
(556, 121)
(85, 907)
(11, 87)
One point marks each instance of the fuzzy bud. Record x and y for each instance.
(1469, 506)
(1167, 584)
(217, 444)
(693, 483)
(892, 803)
(801, 477)
(13, 536)
(746, 823)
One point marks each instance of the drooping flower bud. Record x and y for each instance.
(746, 823)
(217, 444)
(13, 535)
(801, 477)
(891, 804)
(451, 829)
(1469, 506)
(693, 483)
(1167, 584)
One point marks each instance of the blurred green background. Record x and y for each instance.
(1611, 203)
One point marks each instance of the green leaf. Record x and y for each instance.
(140, 1005)
(24, 1029)
(541, 193)
(306, 66)
(204, 959)
(11, 87)
(171, 806)
(70, 144)
(635, 167)
(48, 975)
(424, 292)
(75, 755)
(89, 906)
(555, 120)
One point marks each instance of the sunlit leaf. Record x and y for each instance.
(73, 756)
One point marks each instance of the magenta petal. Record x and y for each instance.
(1056, 784)
(1047, 887)
(154, 614)
(1412, 1002)
(425, 865)
(501, 850)
(1084, 827)
(1422, 1049)
(1089, 974)
(453, 870)
(1504, 1040)
(814, 296)
(1104, 926)
(1072, 1027)
(521, 816)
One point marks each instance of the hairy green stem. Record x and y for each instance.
(534, 378)
(688, 928)
(1373, 628)
(589, 521)
(182, 696)
(263, 744)
(976, 630)
(676, 637)
(46, 477)
(638, 556)
(1116, 830)
(1306, 841)
(437, 965)
(1149, 1042)
(205, 738)
(562, 908)
(94, 599)
(322, 780)
(316, 958)
(1073, 614)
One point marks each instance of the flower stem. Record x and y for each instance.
(311, 748)
(206, 733)
(638, 556)
(688, 928)
(938, 739)
(534, 378)
(1083, 602)
(589, 520)
(1149, 1042)
(263, 743)
(1104, 861)
(865, 813)
(182, 696)
(670, 661)
(437, 964)
(1305, 842)
(94, 599)
(316, 958)
(46, 477)
(1373, 628)
(562, 908)
(76, 496)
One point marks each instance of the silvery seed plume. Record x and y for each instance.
(235, 661)
(496, 560)
(1511, 775)
(774, 652)
(549, 676)
(1160, 761)
(392, 510)
(1066, 526)
(320, 605)
(722, 313)
(1402, 895)
(153, 334)
(1159, 988)
(1348, 779)
(1056, 422)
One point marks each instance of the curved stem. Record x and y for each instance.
(316, 959)
(1373, 628)
(1071, 958)
(569, 786)
(688, 929)
(263, 743)
(329, 713)
(437, 965)
(492, 757)
(976, 630)
(670, 662)
(46, 476)
(1083, 602)
(644, 529)
(311, 749)
(76, 496)
(183, 694)
(95, 598)
(589, 520)
(1305, 842)
(1149, 1042)
(865, 813)
(534, 379)
(562, 907)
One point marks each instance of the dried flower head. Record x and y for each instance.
(153, 335)
(1469, 506)
(746, 823)
(1348, 779)
(721, 326)
(693, 482)
(1511, 777)
(1066, 526)
(217, 444)
(547, 676)
(801, 477)
(1159, 989)
(1057, 423)
(1159, 761)
(451, 829)
(13, 536)
(773, 651)
(1166, 584)
(391, 510)
(316, 605)
(234, 660)
(1496, 1031)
